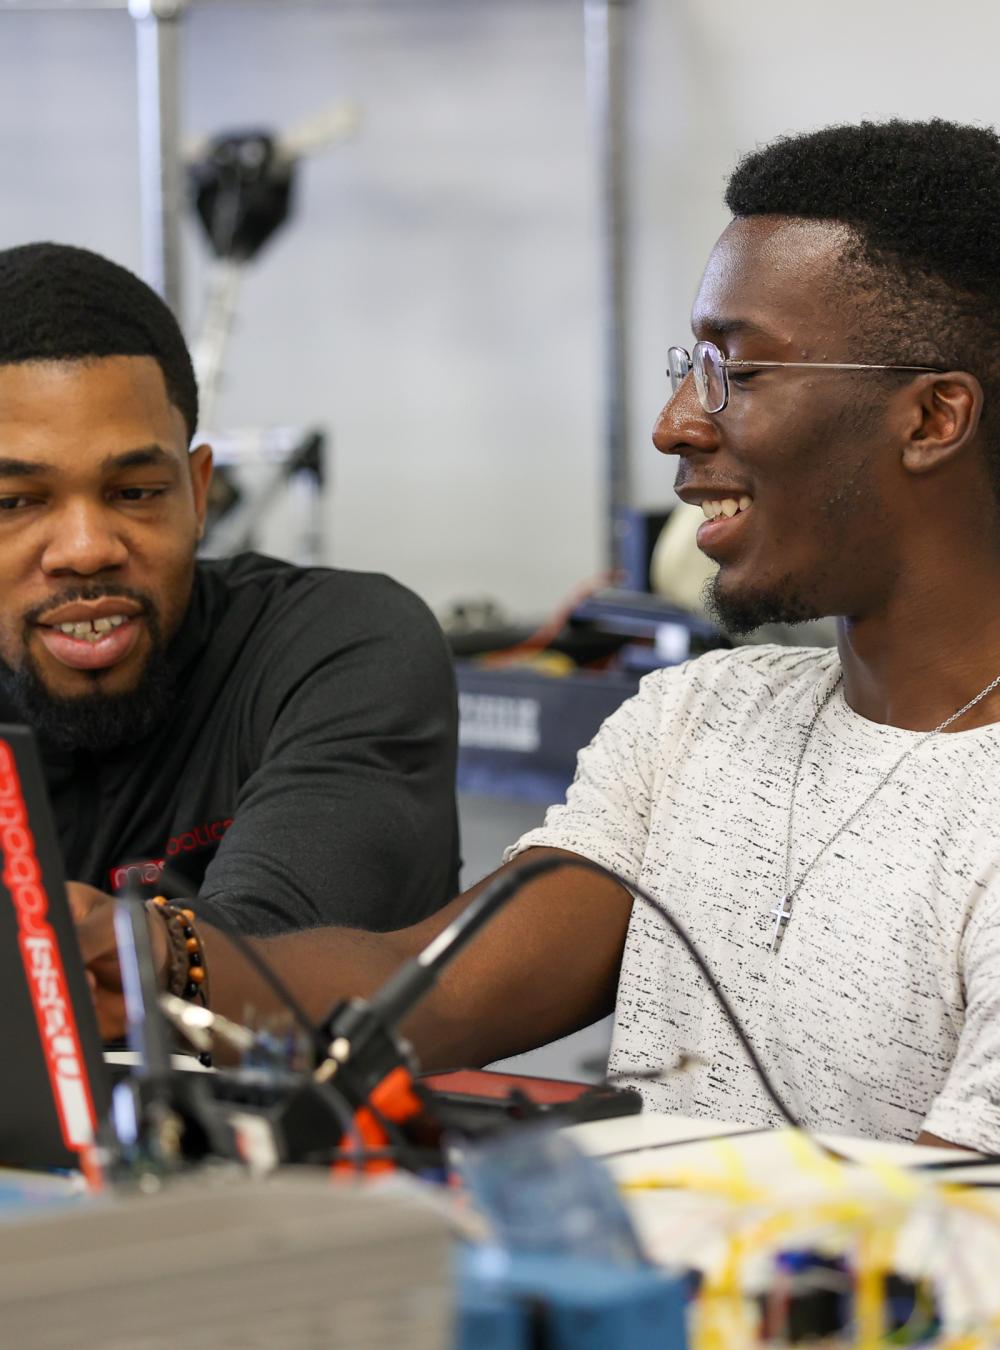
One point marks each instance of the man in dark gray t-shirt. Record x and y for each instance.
(278, 742)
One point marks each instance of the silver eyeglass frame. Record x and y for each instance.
(681, 364)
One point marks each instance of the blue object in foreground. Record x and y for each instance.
(512, 1302)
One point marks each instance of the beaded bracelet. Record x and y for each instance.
(187, 975)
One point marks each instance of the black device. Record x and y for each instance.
(57, 1089)
(242, 191)
(56, 1092)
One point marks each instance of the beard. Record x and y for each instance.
(743, 613)
(95, 721)
(851, 510)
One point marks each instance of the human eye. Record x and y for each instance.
(135, 493)
(740, 374)
(12, 502)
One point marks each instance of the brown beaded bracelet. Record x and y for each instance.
(187, 974)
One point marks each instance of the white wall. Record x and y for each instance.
(435, 302)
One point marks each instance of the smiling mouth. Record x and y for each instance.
(726, 506)
(92, 644)
(723, 526)
(89, 630)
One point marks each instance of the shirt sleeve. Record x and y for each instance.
(605, 817)
(967, 1111)
(349, 817)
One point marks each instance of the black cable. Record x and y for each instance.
(955, 1164)
(532, 869)
(405, 1152)
(270, 977)
(417, 977)
(253, 958)
(718, 993)
(399, 1148)
(340, 1108)
(678, 1143)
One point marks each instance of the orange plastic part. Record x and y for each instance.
(395, 1099)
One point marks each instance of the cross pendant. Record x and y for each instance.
(781, 917)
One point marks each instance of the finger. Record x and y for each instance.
(83, 899)
(96, 936)
(110, 1010)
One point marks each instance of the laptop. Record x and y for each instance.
(55, 1090)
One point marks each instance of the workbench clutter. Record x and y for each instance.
(743, 1238)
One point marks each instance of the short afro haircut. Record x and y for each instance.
(61, 303)
(922, 203)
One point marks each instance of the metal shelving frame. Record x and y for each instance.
(607, 35)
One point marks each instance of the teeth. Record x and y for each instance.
(91, 632)
(728, 507)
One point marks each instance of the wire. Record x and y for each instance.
(340, 1109)
(405, 1152)
(253, 958)
(270, 977)
(956, 1164)
(400, 1149)
(549, 630)
(679, 1143)
(536, 868)
(783, 1109)
(533, 869)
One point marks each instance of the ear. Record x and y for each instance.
(200, 467)
(944, 417)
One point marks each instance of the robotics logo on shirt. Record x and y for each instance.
(147, 872)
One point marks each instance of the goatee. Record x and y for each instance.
(748, 610)
(97, 721)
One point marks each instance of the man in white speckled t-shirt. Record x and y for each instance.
(826, 824)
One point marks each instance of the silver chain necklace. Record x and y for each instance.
(783, 912)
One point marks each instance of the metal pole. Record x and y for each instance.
(158, 67)
(606, 25)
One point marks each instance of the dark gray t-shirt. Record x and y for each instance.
(306, 775)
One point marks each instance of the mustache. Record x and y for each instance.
(91, 591)
(686, 472)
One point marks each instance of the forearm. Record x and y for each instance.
(319, 966)
(525, 980)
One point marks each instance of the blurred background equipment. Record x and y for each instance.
(242, 187)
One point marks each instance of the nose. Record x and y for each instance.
(85, 540)
(683, 426)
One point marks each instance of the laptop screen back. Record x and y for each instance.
(55, 1089)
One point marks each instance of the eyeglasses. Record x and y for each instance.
(711, 371)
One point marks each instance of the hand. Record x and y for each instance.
(94, 915)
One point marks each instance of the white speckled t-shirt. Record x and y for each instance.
(880, 1015)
